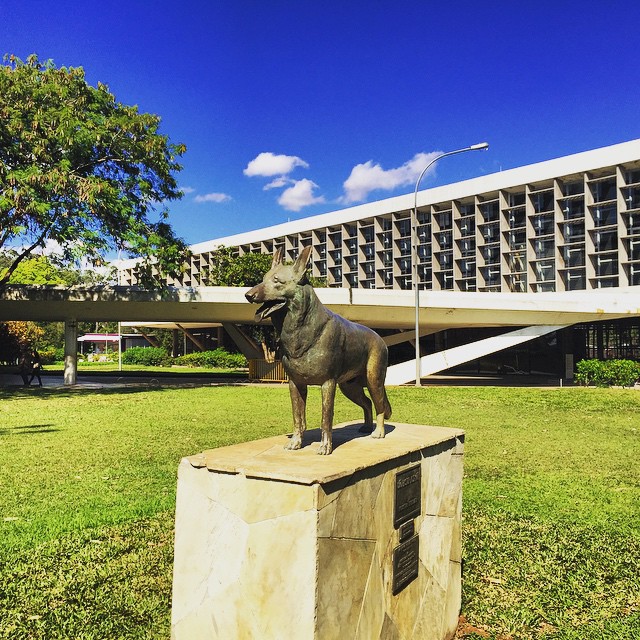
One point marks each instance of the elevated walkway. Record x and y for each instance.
(538, 313)
(379, 309)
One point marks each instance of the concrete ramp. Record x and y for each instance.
(434, 363)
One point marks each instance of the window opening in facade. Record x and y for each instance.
(467, 247)
(516, 262)
(573, 256)
(603, 189)
(605, 215)
(516, 218)
(516, 240)
(444, 219)
(404, 228)
(632, 197)
(575, 280)
(516, 199)
(490, 232)
(542, 201)
(573, 188)
(544, 270)
(633, 248)
(517, 283)
(491, 277)
(573, 208)
(467, 227)
(605, 240)
(632, 176)
(489, 211)
(491, 254)
(573, 232)
(543, 225)
(424, 252)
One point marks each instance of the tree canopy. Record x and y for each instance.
(230, 270)
(40, 269)
(227, 269)
(82, 170)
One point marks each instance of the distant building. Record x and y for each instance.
(567, 224)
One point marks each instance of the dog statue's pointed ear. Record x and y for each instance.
(301, 263)
(278, 257)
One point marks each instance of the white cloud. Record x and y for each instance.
(187, 190)
(368, 177)
(51, 248)
(281, 181)
(270, 164)
(213, 197)
(299, 195)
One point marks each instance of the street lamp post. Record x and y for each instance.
(415, 243)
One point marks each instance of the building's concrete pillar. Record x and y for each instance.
(175, 346)
(70, 351)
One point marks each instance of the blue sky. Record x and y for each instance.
(290, 109)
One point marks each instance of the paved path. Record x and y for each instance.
(98, 381)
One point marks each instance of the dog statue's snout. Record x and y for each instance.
(252, 294)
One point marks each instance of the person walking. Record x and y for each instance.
(36, 367)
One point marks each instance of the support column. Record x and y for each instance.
(70, 351)
(175, 345)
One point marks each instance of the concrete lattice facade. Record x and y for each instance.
(566, 224)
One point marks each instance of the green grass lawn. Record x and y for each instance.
(87, 368)
(551, 502)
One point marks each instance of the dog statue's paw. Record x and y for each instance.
(293, 444)
(378, 433)
(325, 449)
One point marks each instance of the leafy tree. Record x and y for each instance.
(43, 270)
(229, 270)
(37, 270)
(16, 336)
(83, 170)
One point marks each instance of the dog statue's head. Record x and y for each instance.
(279, 283)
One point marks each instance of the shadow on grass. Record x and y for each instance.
(44, 393)
(28, 429)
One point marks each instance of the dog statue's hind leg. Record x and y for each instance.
(298, 394)
(355, 392)
(376, 372)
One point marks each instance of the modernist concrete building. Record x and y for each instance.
(567, 224)
(550, 229)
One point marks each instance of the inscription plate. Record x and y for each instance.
(408, 499)
(406, 531)
(405, 564)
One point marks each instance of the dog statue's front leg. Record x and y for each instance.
(328, 399)
(298, 393)
(379, 432)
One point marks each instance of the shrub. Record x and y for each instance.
(49, 355)
(149, 356)
(623, 373)
(590, 372)
(606, 373)
(218, 358)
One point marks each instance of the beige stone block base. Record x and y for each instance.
(275, 544)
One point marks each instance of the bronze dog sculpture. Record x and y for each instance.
(322, 348)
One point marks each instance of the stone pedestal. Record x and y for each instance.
(362, 544)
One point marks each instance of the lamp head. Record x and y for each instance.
(480, 145)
